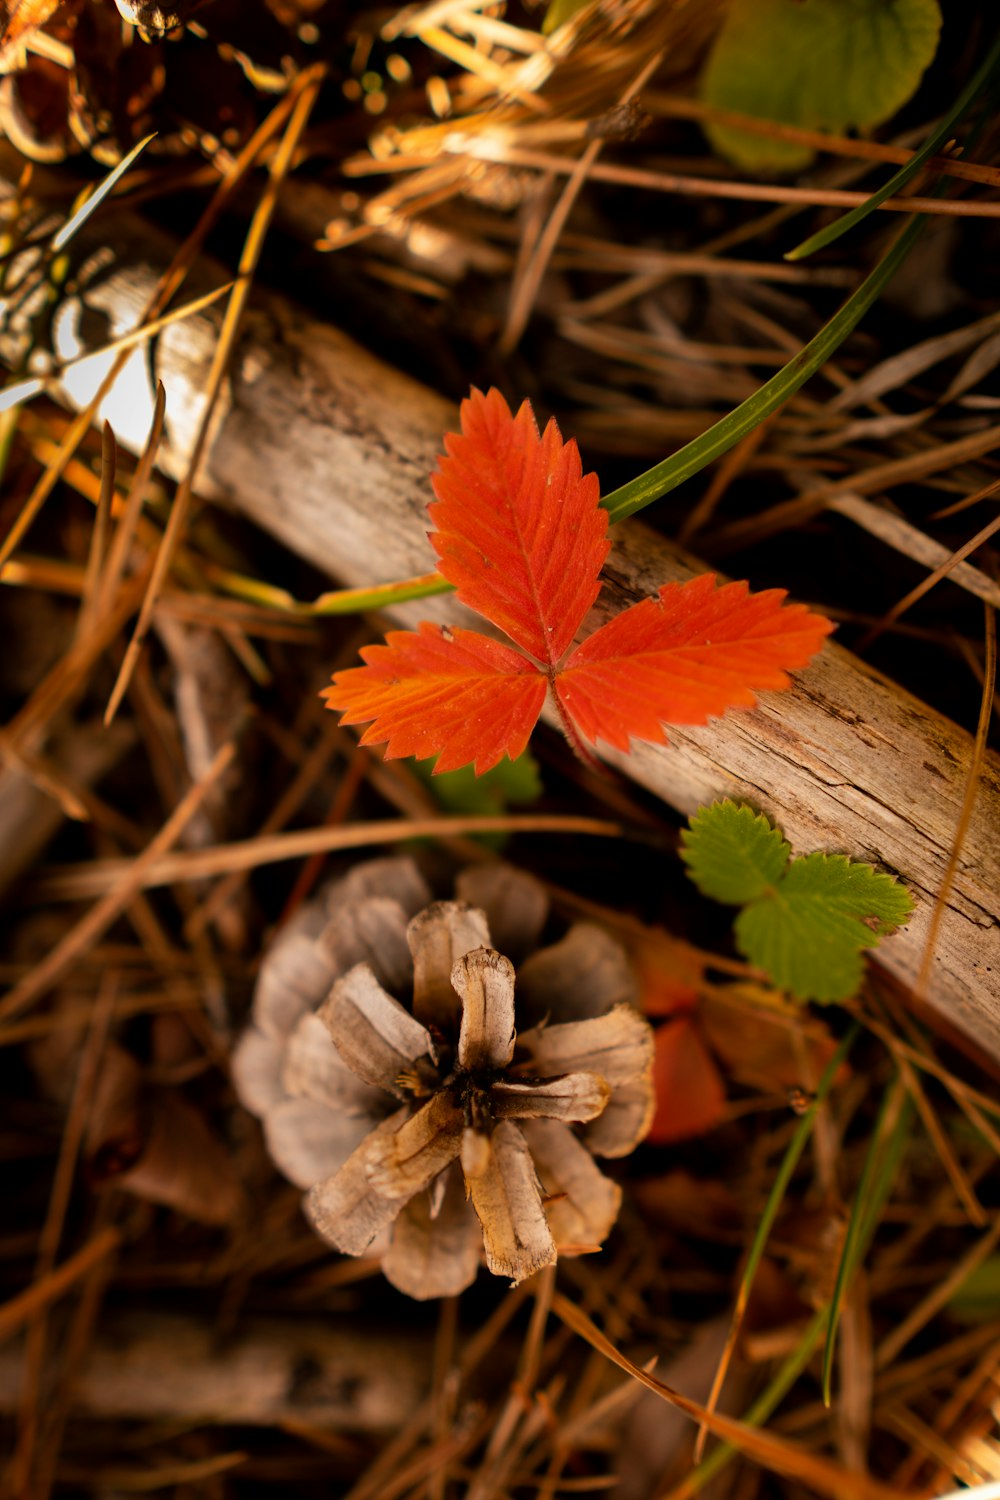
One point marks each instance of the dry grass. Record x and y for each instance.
(532, 227)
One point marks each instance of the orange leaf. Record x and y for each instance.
(520, 532)
(694, 651)
(521, 535)
(690, 1097)
(445, 692)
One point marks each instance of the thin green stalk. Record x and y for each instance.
(789, 1163)
(769, 1399)
(882, 1161)
(899, 179)
(734, 427)
(335, 602)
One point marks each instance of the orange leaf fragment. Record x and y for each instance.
(690, 1094)
(450, 693)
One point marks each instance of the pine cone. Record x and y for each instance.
(384, 1062)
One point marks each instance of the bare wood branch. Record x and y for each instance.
(330, 450)
(149, 1367)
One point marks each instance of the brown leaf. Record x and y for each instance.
(435, 1254)
(374, 1035)
(585, 974)
(583, 1202)
(765, 1043)
(439, 936)
(515, 903)
(507, 1199)
(484, 980)
(346, 1210)
(572, 1096)
(400, 1164)
(699, 1206)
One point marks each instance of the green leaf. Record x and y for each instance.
(732, 853)
(516, 783)
(823, 64)
(808, 935)
(805, 922)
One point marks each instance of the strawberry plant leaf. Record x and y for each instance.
(522, 536)
(805, 922)
(449, 693)
(520, 531)
(693, 652)
(823, 64)
(732, 853)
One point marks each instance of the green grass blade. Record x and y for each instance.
(694, 456)
(769, 1399)
(882, 1160)
(899, 179)
(789, 1162)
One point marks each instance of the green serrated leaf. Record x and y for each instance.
(809, 933)
(805, 951)
(732, 853)
(850, 888)
(822, 64)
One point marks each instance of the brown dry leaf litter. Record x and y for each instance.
(281, 1365)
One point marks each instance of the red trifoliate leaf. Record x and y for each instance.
(520, 532)
(522, 537)
(694, 651)
(449, 693)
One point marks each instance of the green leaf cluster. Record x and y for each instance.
(830, 65)
(806, 921)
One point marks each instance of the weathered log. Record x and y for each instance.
(330, 450)
(321, 1372)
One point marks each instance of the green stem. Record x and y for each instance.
(703, 450)
(899, 179)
